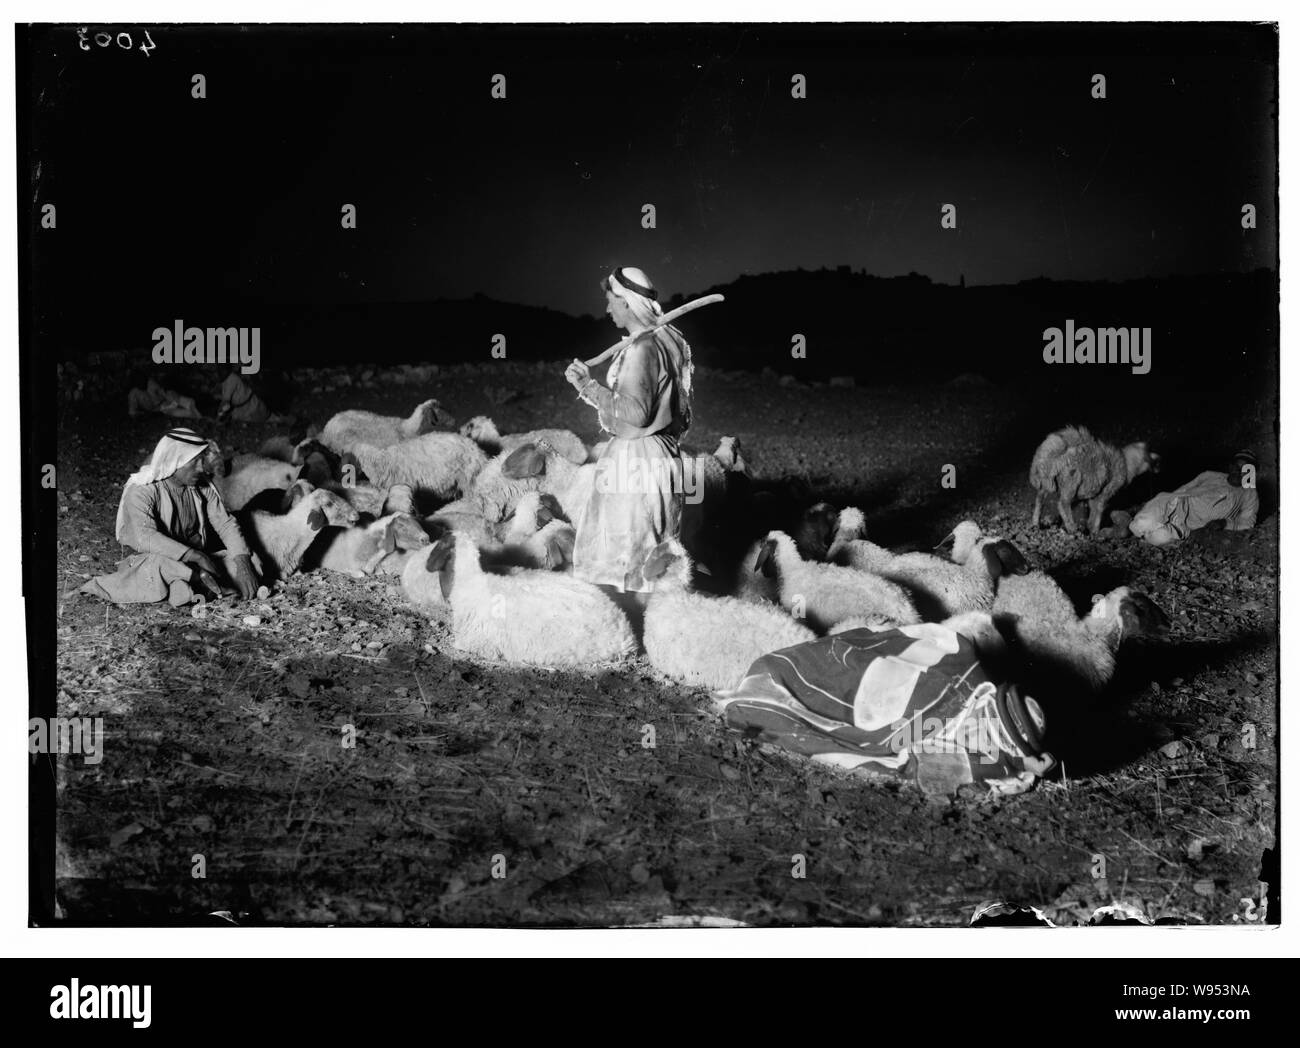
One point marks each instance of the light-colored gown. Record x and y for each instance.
(636, 499)
(162, 522)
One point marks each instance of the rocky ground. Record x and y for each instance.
(485, 795)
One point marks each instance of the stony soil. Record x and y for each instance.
(224, 739)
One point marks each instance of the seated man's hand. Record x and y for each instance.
(201, 561)
(244, 576)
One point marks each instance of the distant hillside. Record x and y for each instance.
(1206, 330)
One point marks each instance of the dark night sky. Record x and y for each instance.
(531, 199)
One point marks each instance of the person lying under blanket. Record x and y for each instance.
(180, 541)
(1214, 500)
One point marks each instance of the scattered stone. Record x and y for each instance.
(1173, 749)
(252, 620)
(847, 381)
(1204, 887)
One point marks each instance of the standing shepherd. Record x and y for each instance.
(174, 529)
(636, 500)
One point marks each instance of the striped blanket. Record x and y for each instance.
(912, 703)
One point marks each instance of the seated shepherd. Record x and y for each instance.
(180, 540)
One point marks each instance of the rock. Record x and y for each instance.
(1173, 749)
(846, 381)
(1204, 887)
(788, 380)
(1121, 520)
(252, 620)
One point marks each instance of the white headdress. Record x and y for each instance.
(177, 447)
(634, 287)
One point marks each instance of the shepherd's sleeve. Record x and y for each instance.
(142, 519)
(634, 403)
(1246, 514)
(223, 523)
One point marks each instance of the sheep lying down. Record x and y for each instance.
(703, 640)
(939, 587)
(359, 550)
(535, 618)
(1032, 634)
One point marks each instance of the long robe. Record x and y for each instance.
(637, 497)
(162, 522)
(1173, 515)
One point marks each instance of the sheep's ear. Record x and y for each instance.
(766, 562)
(1011, 561)
(553, 506)
(442, 418)
(559, 549)
(1141, 616)
(441, 561)
(438, 556)
(544, 514)
(296, 492)
(316, 519)
(949, 541)
(525, 461)
(658, 562)
(388, 540)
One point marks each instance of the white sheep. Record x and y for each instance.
(500, 484)
(250, 475)
(707, 641)
(282, 539)
(440, 464)
(347, 429)
(825, 594)
(967, 544)
(483, 431)
(359, 550)
(1034, 636)
(536, 618)
(939, 587)
(533, 536)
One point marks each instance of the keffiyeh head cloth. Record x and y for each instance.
(177, 447)
(634, 287)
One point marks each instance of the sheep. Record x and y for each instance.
(968, 545)
(441, 464)
(939, 587)
(281, 539)
(533, 536)
(537, 618)
(817, 531)
(500, 485)
(707, 641)
(347, 429)
(251, 474)
(1033, 635)
(826, 594)
(1074, 465)
(483, 431)
(359, 550)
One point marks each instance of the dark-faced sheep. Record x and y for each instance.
(1072, 465)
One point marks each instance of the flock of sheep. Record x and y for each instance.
(478, 525)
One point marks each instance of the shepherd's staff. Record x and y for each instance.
(664, 321)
